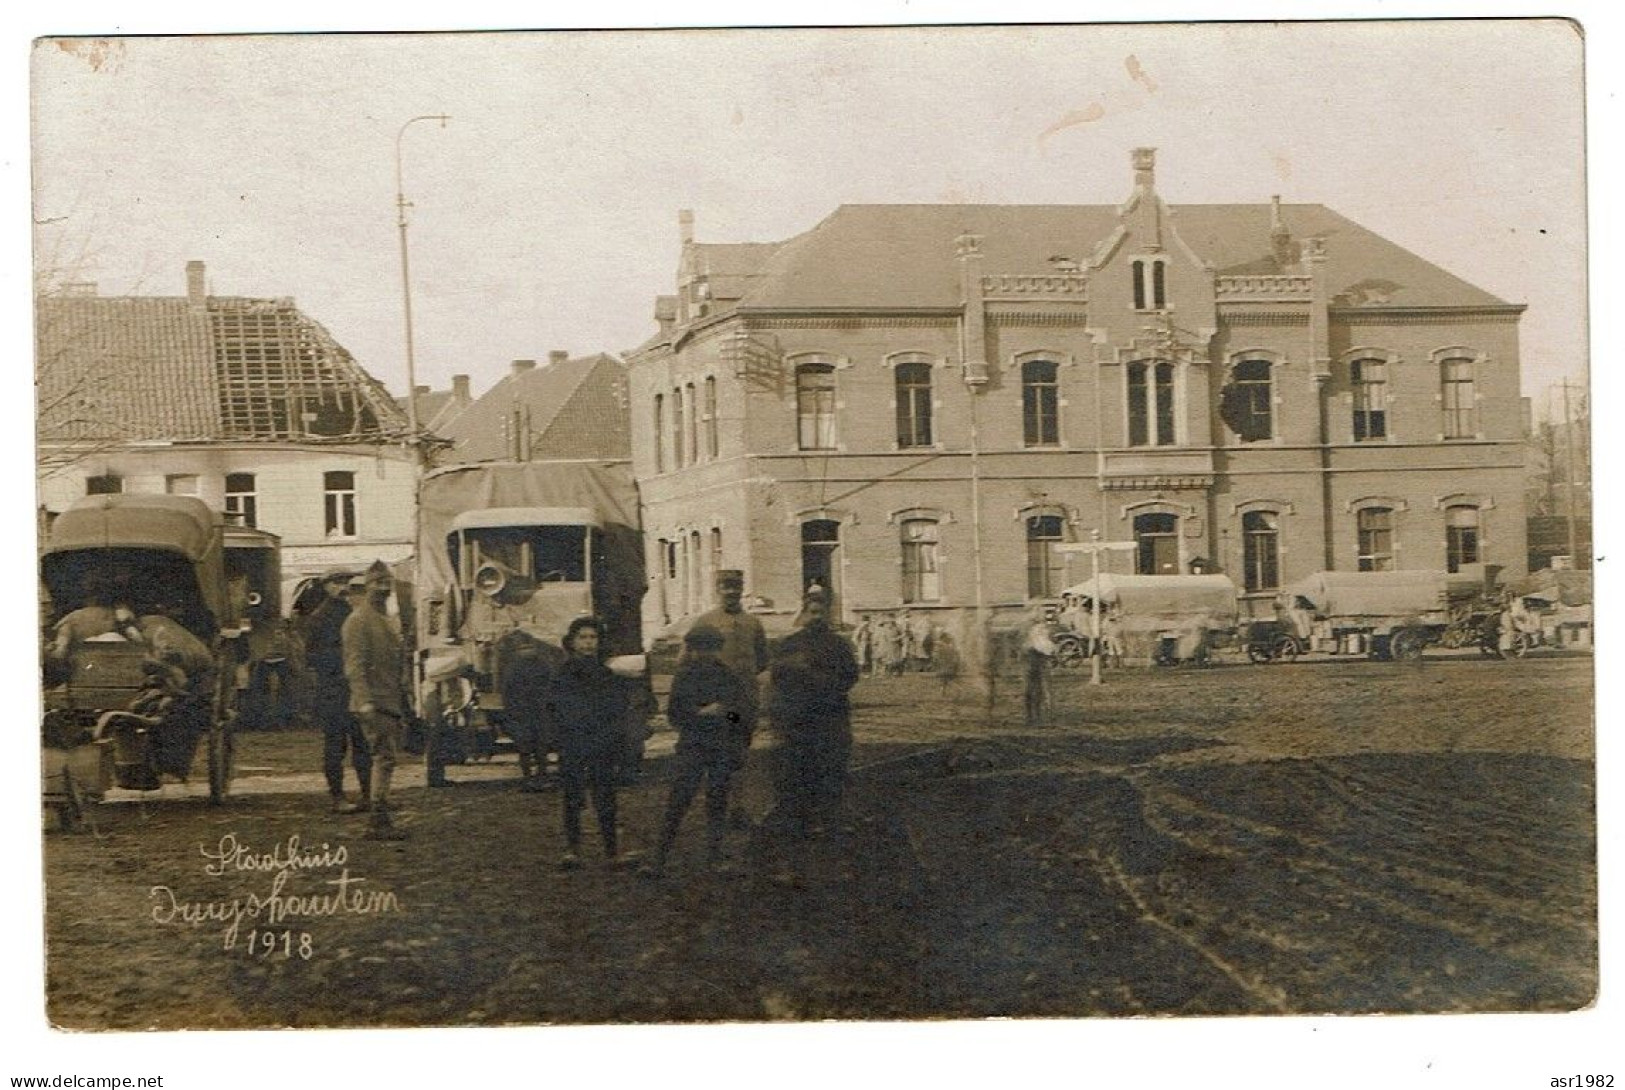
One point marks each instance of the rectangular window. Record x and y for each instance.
(1459, 399)
(913, 381)
(922, 581)
(1261, 550)
(242, 500)
(1368, 380)
(109, 484)
(1045, 563)
(693, 408)
(1040, 403)
(1376, 545)
(181, 484)
(712, 446)
(339, 503)
(678, 442)
(716, 550)
(1247, 402)
(815, 406)
(660, 433)
(1461, 537)
(1151, 404)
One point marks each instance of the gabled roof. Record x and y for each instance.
(578, 409)
(179, 369)
(903, 256)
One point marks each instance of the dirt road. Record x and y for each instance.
(1316, 837)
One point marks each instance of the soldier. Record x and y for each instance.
(330, 694)
(744, 651)
(373, 668)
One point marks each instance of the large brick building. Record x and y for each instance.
(247, 403)
(913, 405)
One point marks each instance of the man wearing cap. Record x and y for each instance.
(330, 693)
(744, 652)
(372, 666)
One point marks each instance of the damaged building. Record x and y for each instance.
(247, 403)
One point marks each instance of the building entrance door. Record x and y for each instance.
(1158, 536)
(820, 558)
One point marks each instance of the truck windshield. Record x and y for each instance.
(547, 554)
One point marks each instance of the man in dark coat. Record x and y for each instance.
(744, 651)
(587, 705)
(812, 671)
(330, 694)
(707, 699)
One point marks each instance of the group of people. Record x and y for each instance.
(888, 644)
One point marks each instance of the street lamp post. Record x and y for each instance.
(1094, 549)
(401, 205)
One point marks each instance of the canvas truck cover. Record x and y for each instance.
(1164, 600)
(158, 546)
(605, 488)
(1374, 594)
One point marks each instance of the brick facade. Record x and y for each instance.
(1187, 375)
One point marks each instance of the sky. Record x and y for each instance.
(544, 213)
(545, 217)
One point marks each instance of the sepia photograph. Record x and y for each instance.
(899, 525)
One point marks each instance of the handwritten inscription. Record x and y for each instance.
(291, 866)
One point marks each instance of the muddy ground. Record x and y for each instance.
(1314, 837)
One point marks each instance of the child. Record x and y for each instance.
(587, 705)
(705, 704)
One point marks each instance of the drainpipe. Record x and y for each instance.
(1320, 373)
(973, 355)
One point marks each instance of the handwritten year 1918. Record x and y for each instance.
(284, 944)
(1582, 1082)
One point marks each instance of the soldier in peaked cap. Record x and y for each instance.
(744, 652)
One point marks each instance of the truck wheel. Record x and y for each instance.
(1520, 645)
(1406, 645)
(1260, 653)
(1285, 649)
(1068, 651)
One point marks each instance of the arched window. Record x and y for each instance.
(1461, 536)
(1368, 383)
(922, 580)
(711, 444)
(660, 433)
(1261, 550)
(1045, 563)
(677, 444)
(1458, 398)
(1376, 538)
(1040, 403)
(1151, 403)
(1158, 537)
(1248, 405)
(913, 382)
(815, 406)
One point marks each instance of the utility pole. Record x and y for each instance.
(1569, 481)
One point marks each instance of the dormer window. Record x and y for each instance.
(1150, 283)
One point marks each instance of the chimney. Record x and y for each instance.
(421, 390)
(459, 388)
(196, 294)
(685, 225)
(1280, 238)
(557, 356)
(521, 366)
(1145, 168)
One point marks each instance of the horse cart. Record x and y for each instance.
(148, 606)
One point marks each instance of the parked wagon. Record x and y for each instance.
(1161, 619)
(144, 641)
(1382, 615)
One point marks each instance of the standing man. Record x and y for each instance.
(744, 653)
(330, 694)
(373, 666)
(813, 670)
